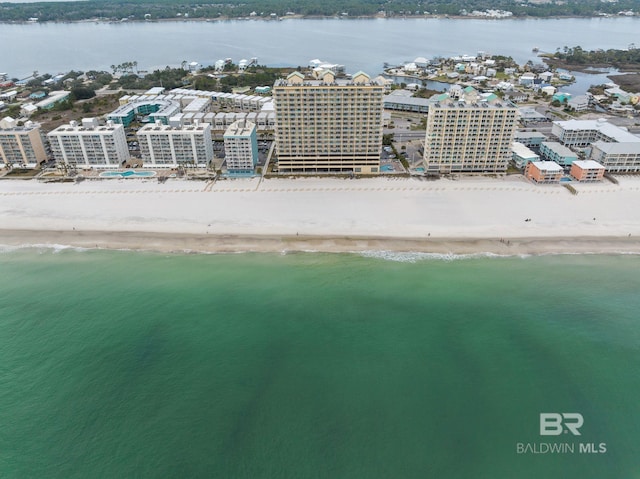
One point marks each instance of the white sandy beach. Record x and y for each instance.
(327, 214)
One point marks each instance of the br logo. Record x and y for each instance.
(554, 424)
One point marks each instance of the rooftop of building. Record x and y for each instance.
(158, 126)
(240, 128)
(400, 92)
(547, 165)
(558, 148)
(588, 164)
(74, 127)
(53, 97)
(407, 100)
(612, 131)
(627, 147)
(11, 125)
(529, 134)
(479, 104)
(528, 113)
(326, 78)
(166, 105)
(522, 151)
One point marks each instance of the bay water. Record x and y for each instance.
(119, 364)
(359, 44)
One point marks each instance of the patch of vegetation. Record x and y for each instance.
(22, 173)
(169, 78)
(628, 59)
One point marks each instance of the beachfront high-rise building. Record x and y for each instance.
(470, 134)
(170, 146)
(328, 125)
(21, 145)
(241, 147)
(90, 144)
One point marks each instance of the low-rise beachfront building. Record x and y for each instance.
(469, 135)
(581, 133)
(617, 157)
(522, 155)
(22, 146)
(241, 148)
(587, 171)
(165, 146)
(543, 172)
(530, 139)
(328, 125)
(554, 151)
(89, 144)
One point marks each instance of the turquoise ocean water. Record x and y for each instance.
(121, 364)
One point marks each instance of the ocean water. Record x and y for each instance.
(117, 364)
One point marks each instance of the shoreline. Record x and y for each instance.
(201, 244)
(303, 17)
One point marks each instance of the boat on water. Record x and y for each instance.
(535, 49)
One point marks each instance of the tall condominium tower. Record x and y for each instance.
(21, 145)
(163, 145)
(89, 144)
(328, 125)
(470, 134)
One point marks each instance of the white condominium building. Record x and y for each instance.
(170, 146)
(21, 145)
(471, 134)
(241, 147)
(90, 144)
(328, 125)
(581, 133)
(612, 146)
(617, 157)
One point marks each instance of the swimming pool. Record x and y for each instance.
(386, 168)
(127, 174)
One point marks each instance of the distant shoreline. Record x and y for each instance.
(303, 17)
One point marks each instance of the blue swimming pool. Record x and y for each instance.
(127, 174)
(386, 168)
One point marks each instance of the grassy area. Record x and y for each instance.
(629, 82)
(513, 170)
